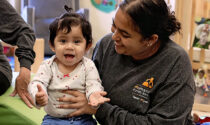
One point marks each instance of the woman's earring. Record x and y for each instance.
(148, 44)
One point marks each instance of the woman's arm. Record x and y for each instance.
(15, 31)
(172, 111)
(171, 107)
(78, 101)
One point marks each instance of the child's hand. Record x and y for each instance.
(41, 96)
(97, 98)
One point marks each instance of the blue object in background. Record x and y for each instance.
(206, 123)
(11, 62)
(104, 5)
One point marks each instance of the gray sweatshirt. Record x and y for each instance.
(14, 31)
(155, 91)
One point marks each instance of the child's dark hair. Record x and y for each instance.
(66, 21)
(151, 17)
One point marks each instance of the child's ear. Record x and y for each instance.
(51, 46)
(88, 46)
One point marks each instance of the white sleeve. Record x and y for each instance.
(93, 81)
(42, 77)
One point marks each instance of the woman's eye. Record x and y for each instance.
(113, 25)
(125, 36)
(113, 29)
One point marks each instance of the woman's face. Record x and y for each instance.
(127, 40)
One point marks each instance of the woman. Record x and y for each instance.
(147, 76)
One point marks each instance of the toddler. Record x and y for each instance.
(70, 39)
(199, 79)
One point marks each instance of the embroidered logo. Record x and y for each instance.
(148, 83)
(141, 91)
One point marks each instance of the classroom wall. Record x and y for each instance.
(101, 22)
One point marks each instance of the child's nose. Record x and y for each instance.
(69, 46)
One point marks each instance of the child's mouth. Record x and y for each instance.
(69, 56)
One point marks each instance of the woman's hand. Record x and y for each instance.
(78, 101)
(21, 86)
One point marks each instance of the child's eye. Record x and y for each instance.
(63, 40)
(77, 41)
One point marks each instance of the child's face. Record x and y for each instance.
(200, 74)
(70, 48)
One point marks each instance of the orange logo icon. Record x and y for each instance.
(148, 83)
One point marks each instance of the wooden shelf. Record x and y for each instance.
(201, 63)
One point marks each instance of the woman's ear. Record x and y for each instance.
(51, 46)
(152, 40)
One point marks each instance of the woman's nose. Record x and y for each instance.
(115, 35)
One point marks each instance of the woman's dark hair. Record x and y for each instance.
(151, 17)
(66, 21)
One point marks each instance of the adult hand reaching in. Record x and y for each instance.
(21, 86)
(78, 101)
